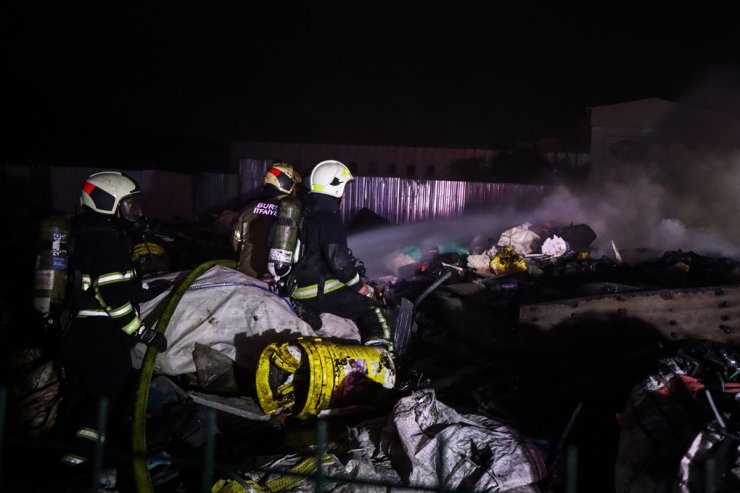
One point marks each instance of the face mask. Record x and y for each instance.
(130, 208)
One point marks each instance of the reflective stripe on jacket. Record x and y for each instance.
(251, 234)
(327, 264)
(308, 292)
(102, 254)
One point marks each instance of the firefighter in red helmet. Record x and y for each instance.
(252, 228)
(104, 320)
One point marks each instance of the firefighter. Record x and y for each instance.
(104, 319)
(252, 227)
(328, 277)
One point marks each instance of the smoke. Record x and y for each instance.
(682, 190)
(676, 189)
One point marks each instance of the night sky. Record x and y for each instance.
(86, 81)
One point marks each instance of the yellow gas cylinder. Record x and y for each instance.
(310, 375)
(507, 261)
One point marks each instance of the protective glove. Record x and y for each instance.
(359, 266)
(361, 270)
(151, 337)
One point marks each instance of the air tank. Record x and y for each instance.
(50, 274)
(283, 239)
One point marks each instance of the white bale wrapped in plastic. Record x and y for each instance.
(230, 312)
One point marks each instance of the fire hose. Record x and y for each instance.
(142, 481)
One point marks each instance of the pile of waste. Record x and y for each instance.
(521, 364)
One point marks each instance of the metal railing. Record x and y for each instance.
(211, 469)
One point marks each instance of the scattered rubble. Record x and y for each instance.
(509, 352)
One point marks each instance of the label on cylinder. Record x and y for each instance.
(280, 255)
(59, 263)
(44, 279)
(58, 251)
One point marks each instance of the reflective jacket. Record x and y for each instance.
(326, 263)
(102, 258)
(251, 235)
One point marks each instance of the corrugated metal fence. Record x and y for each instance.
(166, 194)
(403, 200)
(399, 200)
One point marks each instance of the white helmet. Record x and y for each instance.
(103, 192)
(330, 178)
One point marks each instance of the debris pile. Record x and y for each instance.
(509, 352)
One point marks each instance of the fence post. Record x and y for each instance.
(210, 451)
(320, 451)
(571, 470)
(99, 444)
(710, 470)
(3, 405)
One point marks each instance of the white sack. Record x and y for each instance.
(555, 246)
(521, 238)
(334, 327)
(479, 262)
(228, 311)
(480, 453)
(233, 313)
(512, 461)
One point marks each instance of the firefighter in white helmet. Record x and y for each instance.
(328, 277)
(252, 228)
(104, 319)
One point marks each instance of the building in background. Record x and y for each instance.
(618, 130)
(430, 163)
(623, 132)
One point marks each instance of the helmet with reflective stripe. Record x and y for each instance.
(330, 178)
(104, 191)
(282, 176)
